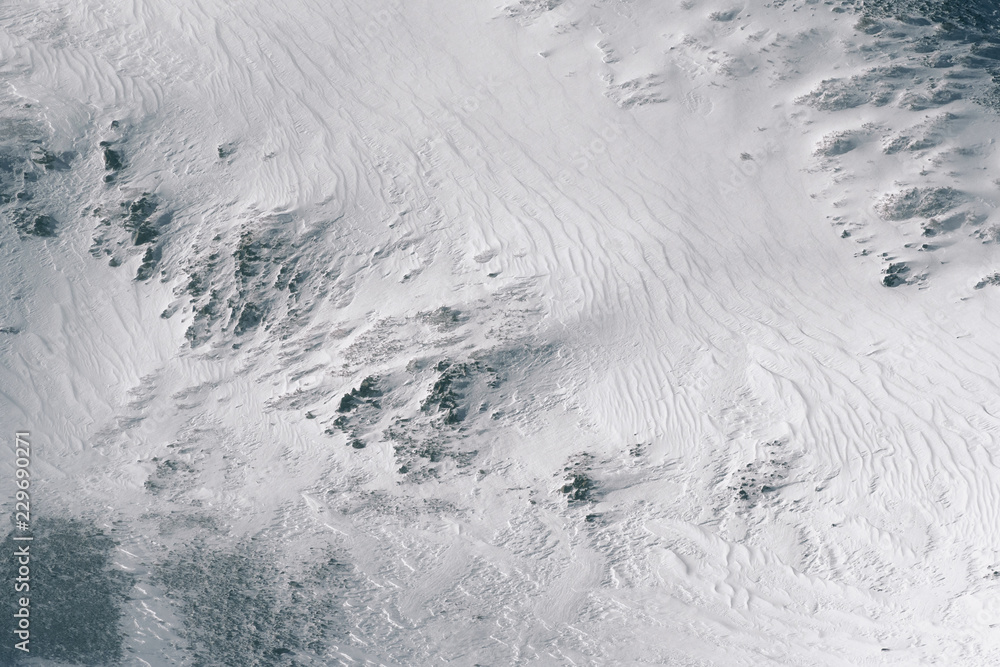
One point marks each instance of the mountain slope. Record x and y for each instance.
(555, 332)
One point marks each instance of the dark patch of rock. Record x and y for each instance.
(113, 159)
(29, 222)
(989, 280)
(579, 487)
(250, 316)
(894, 274)
(149, 261)
(922, 202)
(138, 219)
(77, 595)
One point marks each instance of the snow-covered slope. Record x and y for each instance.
(549, 332)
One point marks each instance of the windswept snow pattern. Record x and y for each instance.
(504, 332)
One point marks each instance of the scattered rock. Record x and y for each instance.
(836, 144)
(894, 274)
(579, 485)
(138, 219)
(34, 224)
(250, 316)
(579, 488)
(366, 393)
(725, 16)
(447, 394)
(42, 157)
(989, 280)
(923, 202)
(877, 86)
(149, 262)
(760, 478)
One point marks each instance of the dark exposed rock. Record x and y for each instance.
(894, 274)
(198, 332)
(359, 408)
(254, 286)
(579, 487)
(446, 392)
(923, 202)
(43, 225)
(368, 388)
(149, 262)
(250, 316)
(196, 285)
(989, 280)
(138, 219)
(43, 157)
(34, 224)
(167, 475)
(724, 16)
(967, 20)
(363, 394)
(77, 595)
(249, 255)
(113, 159)
(755, 481)
(285, 278)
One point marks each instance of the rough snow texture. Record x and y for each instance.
(533, 332)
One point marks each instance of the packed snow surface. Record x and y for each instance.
(561, 333)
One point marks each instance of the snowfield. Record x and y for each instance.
(462, 332)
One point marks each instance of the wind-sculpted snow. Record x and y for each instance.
(507, 333)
